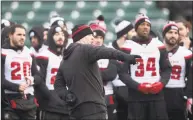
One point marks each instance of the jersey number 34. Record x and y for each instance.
(149, 67)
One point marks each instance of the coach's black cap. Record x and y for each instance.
(80, 31)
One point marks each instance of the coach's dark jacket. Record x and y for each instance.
(79, 71)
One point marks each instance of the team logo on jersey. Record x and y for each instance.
(144, 45)
(173, 62)
(170, 54)
(19, 51)
(20, 58)
(103, 63)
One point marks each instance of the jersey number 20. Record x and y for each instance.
(26, 70)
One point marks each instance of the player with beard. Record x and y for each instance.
(49, 61)
(45, 33)
(146, 79)
(125, 31)
(37, 42)
(179, 86)
(185, 40)
(57, 20)
(108, 69)
(36, 38)
(19, 76)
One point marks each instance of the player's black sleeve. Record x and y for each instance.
(165, 66)
(5, 83)
(110, 73)
(101, 52)
(39, 84)
(42, 62)
(188, 89)
(125, 77)
(60, 83)
(38, 78)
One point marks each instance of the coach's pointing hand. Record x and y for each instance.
(134, 59)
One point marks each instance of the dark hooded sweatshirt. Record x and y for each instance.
(54, 103)
(4, 36)
(38, 30)
(79, 71)
(115, 45)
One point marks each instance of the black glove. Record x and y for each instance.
(133, 60)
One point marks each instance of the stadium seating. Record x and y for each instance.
(30, 13)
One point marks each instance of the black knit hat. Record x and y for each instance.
(171, 25)
(38, 32)
(140, 19)
(80, 31)
(57, 20)
(98, 26)
(98, 30)
(99, 33)
(61, 23)
(122, 28)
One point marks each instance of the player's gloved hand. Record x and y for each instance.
(29, 80)
(133, 59)
(189, 105)
(144, 87)
(156, 87)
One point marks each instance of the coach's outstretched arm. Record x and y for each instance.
(94, 53)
